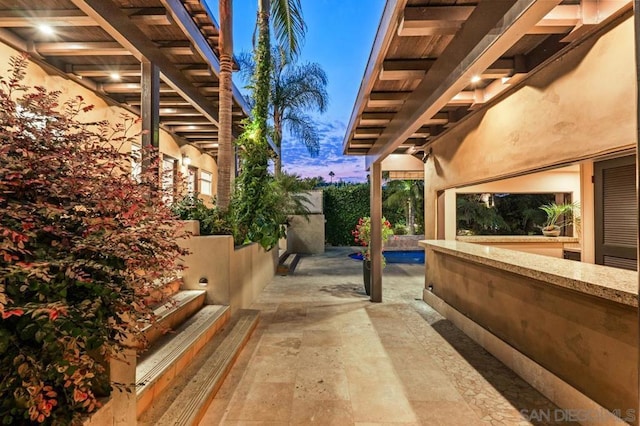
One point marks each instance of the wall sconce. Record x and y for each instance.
(186, 160)
(203, 282)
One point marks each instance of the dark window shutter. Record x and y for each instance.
(616, 213)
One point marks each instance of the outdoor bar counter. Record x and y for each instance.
(562, 319)
(536, 244)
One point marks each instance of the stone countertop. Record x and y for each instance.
(515, 239)
(618, 285)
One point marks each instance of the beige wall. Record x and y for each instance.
(589, 342)
(103, 111)
(305, 234)
(578, 107)
(235, 276)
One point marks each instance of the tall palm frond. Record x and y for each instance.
(301, 127)
(288, 25)
(295, 90)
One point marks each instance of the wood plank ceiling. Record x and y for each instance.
(102, 43)
(433, 62)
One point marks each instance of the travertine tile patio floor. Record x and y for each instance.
(324, 354)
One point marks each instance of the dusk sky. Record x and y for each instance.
(339, 37)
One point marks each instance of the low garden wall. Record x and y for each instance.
(404, 242)
(232, 276)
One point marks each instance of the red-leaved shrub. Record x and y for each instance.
(81, 244)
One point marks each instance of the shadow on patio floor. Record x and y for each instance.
(323, 354)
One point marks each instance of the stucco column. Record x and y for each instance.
(376, 231)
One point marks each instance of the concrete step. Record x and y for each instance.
(287, 263)
(174, 312)
(172, 353)
(190, 396)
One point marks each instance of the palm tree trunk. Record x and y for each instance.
(263, 69)
(412, 217)
(225, 137)
(277, 140)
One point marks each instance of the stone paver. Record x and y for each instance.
(323, 354)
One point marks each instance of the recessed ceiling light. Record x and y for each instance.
(46, 29)
(115, 76)
(476, 79)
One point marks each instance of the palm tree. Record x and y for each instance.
(331, 175)
(290, 30)
(406, 195)
(225, 149)
(295, 89)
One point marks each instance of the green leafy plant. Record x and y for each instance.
(212, 221)
(81, 245)
(558, 215)
(256, 209)
(362, 234)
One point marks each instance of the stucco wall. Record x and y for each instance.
(305, 234)
(579, 107)
(235, 276)
(36, 76)
(589, 342)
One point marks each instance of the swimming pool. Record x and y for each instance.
(398, 256)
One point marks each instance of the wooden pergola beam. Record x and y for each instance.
(132, 88)
(443, 20)
(386, 99)
(195, 128)
(183, 19)
(125, 32)
(491, 29)
(103, 48)
(433, 20)
(22, 18)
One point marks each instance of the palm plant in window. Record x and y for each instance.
(558, 217)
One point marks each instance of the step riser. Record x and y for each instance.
(157, 330)
(189, 406)
(214, 390)
(153, 390)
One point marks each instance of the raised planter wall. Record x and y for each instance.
(404, 242)
(234, 276)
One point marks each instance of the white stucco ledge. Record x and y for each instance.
(617, 285)
(515, 239)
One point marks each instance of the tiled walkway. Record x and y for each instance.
(324, 354)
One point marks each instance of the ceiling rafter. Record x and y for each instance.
(125, 32)
(490, 30)
(22, 18)
(447, 20)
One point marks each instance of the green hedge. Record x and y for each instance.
(343, 206)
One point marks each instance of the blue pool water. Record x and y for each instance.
(399, 256)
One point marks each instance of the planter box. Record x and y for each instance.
(232, 276)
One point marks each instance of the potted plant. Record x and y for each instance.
(558, 216)
(362, 236)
